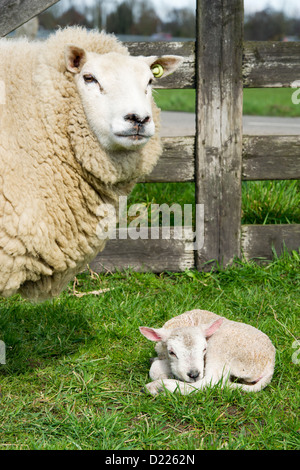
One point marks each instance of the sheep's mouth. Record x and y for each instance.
(133, 137)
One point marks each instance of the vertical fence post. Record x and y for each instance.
(219, 128)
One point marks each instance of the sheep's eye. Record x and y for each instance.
(157, 70)
(149, 84)
(89, 78)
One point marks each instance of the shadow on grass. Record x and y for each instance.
(35, 335)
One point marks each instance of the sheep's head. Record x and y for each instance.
(116, 93)
(186, 348)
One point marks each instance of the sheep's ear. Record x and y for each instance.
(153, 334)
(75, 57)
(213, 328)
(163, 66)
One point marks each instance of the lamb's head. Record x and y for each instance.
(116, 93)
(185, 347)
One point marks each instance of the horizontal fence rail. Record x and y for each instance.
(147, 254)
(271, 157)
(261, 241)
(258, 242)
(263, 158)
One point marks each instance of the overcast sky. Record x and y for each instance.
(291, 7)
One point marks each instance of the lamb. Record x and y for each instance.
(200, 349)
(78, 128)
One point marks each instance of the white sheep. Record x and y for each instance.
(200, 349)
(78, 128)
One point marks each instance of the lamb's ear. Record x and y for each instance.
(163, 66)
(75, 57)
(213, 328)
(154, 334)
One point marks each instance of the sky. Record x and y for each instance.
(290, 7)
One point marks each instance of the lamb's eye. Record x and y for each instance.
(88, 78)
(157, 70)
(171, 352)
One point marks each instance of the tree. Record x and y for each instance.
(121, 21)
(182, 23)
(266, 25)
(148, 21)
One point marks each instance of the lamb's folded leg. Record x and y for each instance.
(160, 369)
(212, 377)
(174, 385)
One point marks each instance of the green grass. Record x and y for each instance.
(76, 366)
(257, 101)
(271, 202)
(263, 202)
(176, 100)
(270, 102)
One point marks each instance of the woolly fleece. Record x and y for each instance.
(53, 173)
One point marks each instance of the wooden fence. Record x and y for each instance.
(219, 64)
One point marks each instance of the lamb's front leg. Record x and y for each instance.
(213, 375)
(174, 385)
(160, 369)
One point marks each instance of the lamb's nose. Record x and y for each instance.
(193, 374)
(136, 119)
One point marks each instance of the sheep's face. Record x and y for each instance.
(116, 94)
(185, 347)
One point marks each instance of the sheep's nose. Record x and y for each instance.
(136, 119)
(193, 374)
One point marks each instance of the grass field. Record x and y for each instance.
(76, 365)
(257, 101)
(263, 202)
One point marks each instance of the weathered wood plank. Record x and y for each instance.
(258, 241)
(271, 157)
(219, 128)
(184, 77)
(271, 64)
(13, 13)
(264, 158)
(177, 163)
(264, 63)
(146, 254)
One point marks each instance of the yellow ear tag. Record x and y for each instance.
(157, 70)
